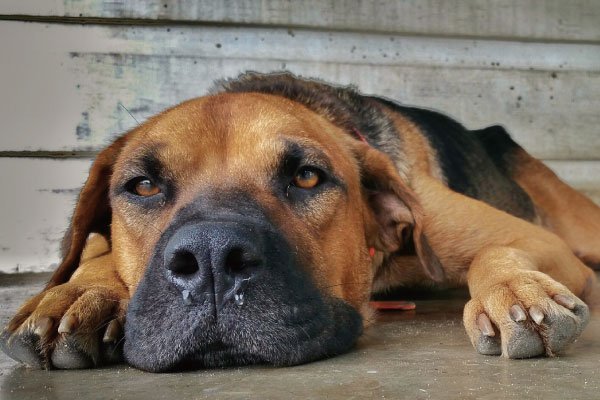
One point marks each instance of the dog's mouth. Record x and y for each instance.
(223, 293)
(246, 338)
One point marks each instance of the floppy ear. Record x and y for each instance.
(395, 209)
(92, 213)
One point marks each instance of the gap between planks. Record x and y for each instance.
(49, 154)
(277, 25)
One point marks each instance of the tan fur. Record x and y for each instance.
(564, 211)
(231, 143)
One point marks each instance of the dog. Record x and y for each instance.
(253, 225)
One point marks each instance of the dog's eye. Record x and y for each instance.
(144, 187)
(306, 178)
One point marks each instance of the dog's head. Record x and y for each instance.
(243, 221)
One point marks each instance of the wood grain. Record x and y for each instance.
(37, 201)
(521, 19)
(70, 87)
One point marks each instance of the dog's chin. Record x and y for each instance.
(233, 343)
(283, 320)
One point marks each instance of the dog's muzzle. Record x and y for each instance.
(225, 287)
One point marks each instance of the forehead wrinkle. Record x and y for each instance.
(143, 160)
(307, 150)
(252, 145)
(250, 169)
(236, 137)
(194, 122)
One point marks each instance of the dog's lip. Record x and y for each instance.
(296, 333)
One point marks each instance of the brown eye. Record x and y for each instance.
(306, 178)
(145, 188)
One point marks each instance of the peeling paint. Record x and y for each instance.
(147, 70)
(60, 191)
(35, 216)
(523, 19)
(83, 131)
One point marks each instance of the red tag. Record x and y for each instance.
(360, 135)
(394, 305)
(372, 251)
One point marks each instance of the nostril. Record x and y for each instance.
(183, 263)
(238, 259)
(234, 262)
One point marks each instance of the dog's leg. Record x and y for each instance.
(563, 210)
(77, 324)
(523, 279)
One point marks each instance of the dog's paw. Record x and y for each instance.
(68, 326)
(525, 316)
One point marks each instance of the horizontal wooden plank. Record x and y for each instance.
(39, 195)
(525, 19)
(38, 199)
(68, 87)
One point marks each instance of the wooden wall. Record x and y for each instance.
(70, 70)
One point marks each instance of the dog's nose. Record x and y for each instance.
(213, 260)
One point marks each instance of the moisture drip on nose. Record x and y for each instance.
(238, 292)
(187, 297)
(239, 288)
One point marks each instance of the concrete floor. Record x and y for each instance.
(417, 354)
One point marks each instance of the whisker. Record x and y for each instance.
(160, 232)
(130, 114)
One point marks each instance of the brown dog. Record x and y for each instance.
(238, 228)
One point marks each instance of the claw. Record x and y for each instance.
(113, 332)
(565, 301)
(517, 313)
(43, 326)
(536, 314)
(485, 325)
(67, 324)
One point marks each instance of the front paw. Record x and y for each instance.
(68, 326)
(527, 315)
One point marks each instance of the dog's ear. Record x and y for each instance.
(395, 210)
(92, 213)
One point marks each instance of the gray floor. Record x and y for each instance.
(416, 355)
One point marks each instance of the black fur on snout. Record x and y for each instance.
(187, 311)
